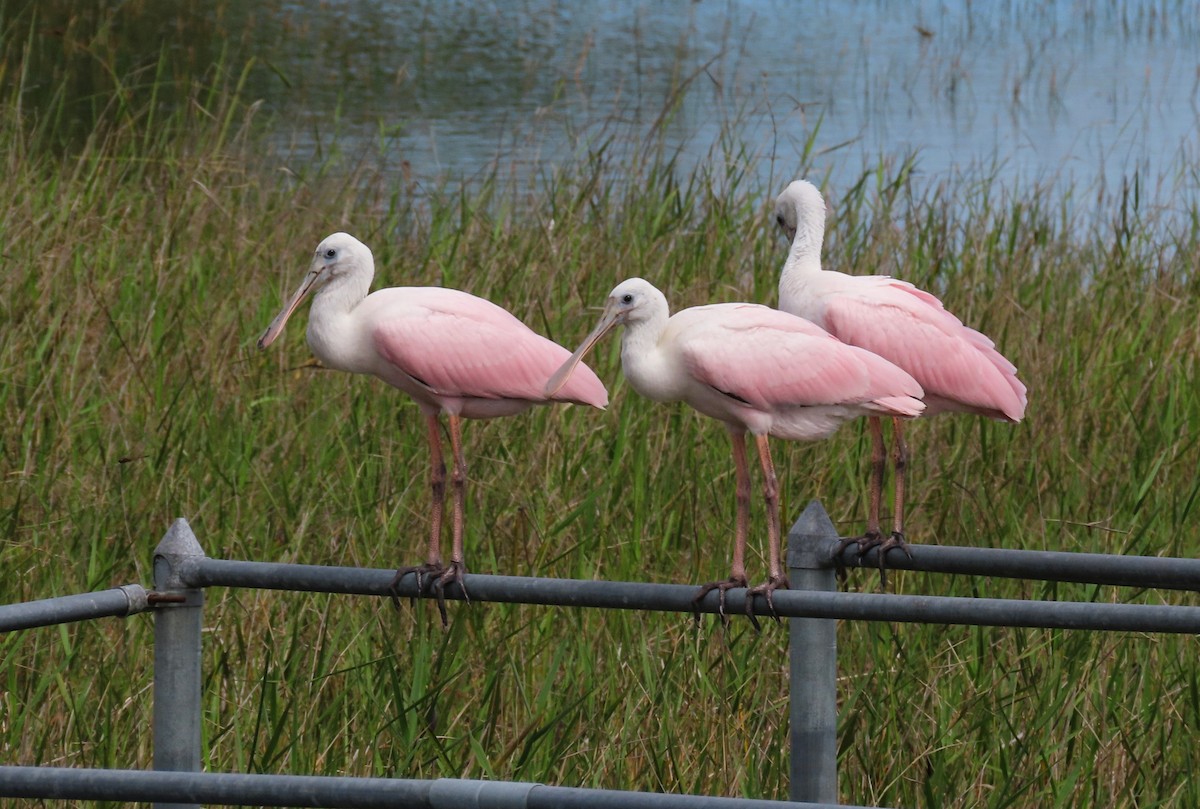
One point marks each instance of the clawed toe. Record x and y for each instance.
(453, 574)
(432, 579)
(767, 589)
(838, 565)
(722, 587)
(426, 575)
(871, 539)
(896, 540)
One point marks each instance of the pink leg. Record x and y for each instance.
(458, 479)
(776, 578)
(873, 536)
(737, 575)
(742, 514)
(878, 470)
(432, 568)
(900, 461)
(437, 486)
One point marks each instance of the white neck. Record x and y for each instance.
(340, 295)
(804, 259)
(642, 359)
(805, 252)
(330, 337)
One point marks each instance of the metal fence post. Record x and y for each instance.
(813, 652)
(176, 658)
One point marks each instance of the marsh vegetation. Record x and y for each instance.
(144, 254)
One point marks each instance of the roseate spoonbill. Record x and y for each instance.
(451, 351)
(959, 368)
(757, 370)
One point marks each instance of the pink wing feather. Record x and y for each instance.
(462, 345)
(958, 367)
(774, 360)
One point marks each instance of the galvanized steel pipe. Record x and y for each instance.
(118, 602)
(207, 572)
(330, 792)
(177, 678)
(1164, 572)
(812, 648)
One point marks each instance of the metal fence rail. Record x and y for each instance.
(796, 603)
(1162, 572)
(121, 601)
(340, 792)
(182, 570)
(131, 599)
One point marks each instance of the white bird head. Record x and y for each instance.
(632, 301)
(800, 208)
(339, 256)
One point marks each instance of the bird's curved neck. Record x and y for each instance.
(803, 266)
(642, 359)
(340, 295)
(804, 256)
(330, 333)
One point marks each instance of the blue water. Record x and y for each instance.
(1063, 92)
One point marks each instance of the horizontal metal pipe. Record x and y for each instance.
(1165, 572)
(233, 789)
(205, 572)
(119, 601)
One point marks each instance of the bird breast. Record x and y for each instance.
(340, 342)
(801, 295)
(650, 373)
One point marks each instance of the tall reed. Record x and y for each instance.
(142, 263)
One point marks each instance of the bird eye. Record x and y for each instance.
(779, 219)
(330, 253)
(627, 298)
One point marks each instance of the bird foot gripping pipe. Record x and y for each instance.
(767, 590)
(872, 539)
(723, 587)
(432, 580)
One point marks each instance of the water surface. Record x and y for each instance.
(1070, 92)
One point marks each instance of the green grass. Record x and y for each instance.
(141, 265)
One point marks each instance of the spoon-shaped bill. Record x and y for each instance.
(608, 319)
(276, 327)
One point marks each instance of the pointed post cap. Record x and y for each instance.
(177, 545)
(812, 539)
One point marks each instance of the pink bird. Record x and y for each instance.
(452, 352)
(757, 370)
(959, 368)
